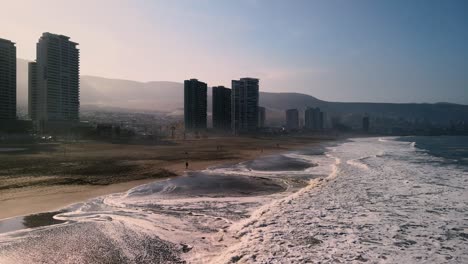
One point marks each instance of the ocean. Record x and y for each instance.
(370, 200)
(451, 149)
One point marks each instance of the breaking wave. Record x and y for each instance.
(370, 199)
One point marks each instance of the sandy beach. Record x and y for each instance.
(52, 176)
(352, 201)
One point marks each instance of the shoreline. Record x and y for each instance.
(38, 199)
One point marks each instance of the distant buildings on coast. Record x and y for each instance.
(54, 105)
(235, 110)
(314, 119)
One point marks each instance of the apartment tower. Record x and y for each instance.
(314, 119)
(195, 93)
(54, 95)
(221, 108)
(244, 104)
(7, 80)
(292, 119)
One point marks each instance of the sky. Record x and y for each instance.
(335, 50)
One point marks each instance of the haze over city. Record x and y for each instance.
(247, 131)
(361, 51)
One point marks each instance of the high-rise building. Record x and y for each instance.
(33, 93)
(195, 93)
(54, 80)
(261, 116)
(292, 119)
(7, 80)
(221, 108)
(314, 118)
(244, 105)
(321, 123)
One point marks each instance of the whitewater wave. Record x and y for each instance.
(398, 208)
(371, 199)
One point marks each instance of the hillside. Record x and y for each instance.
(168, 97)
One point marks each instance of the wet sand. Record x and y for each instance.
(184, 218)
(32, 194)
(33, 200)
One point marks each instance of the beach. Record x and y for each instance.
(357, 200)
(47, 177)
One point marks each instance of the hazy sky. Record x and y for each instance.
(383, 51)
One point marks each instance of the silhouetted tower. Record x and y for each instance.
(314, 118)
(221, 108)
(54, 94)
(33, 92)
(195, 93)
(321, 120)
(292, 119)
(7, 79)
(244, 105)
(261, 116)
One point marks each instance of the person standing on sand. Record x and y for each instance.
(186, 165)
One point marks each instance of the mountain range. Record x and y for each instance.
(104, 93)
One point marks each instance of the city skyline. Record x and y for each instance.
(63, 85)
(369, 60)
(233, 131)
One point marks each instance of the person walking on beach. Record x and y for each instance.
(186, 165)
